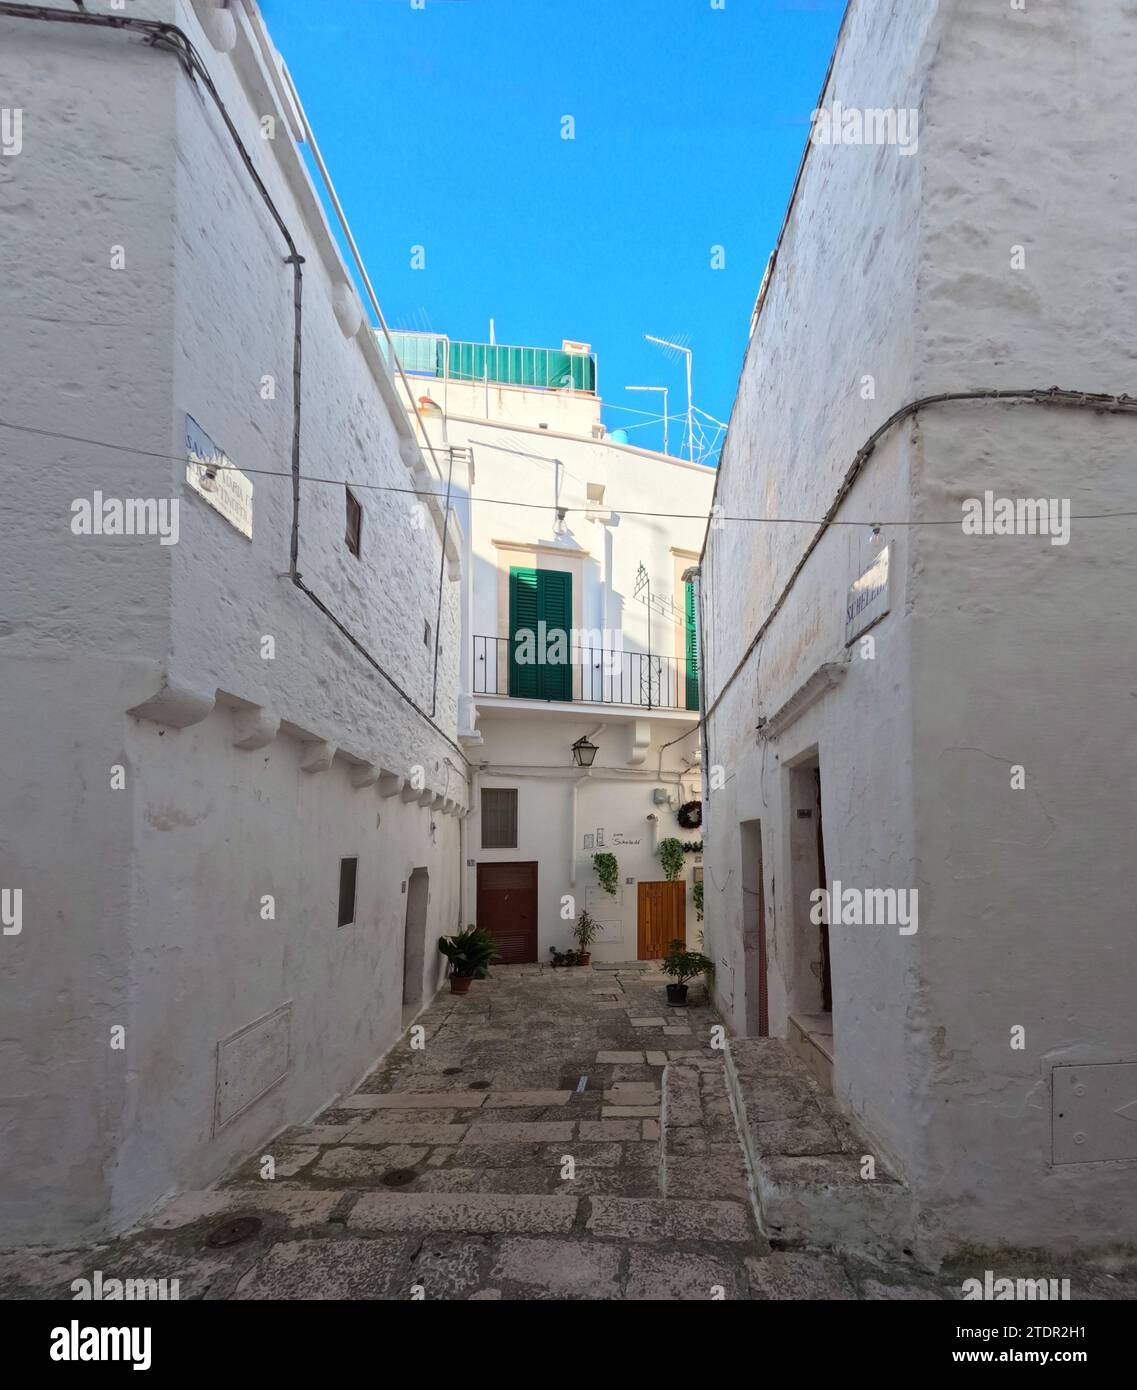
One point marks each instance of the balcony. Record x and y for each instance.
(592, 675)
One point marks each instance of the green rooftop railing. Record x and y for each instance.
(549, 369)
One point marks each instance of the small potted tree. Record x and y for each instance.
(586, 930)
(682, 965)
(470, 953)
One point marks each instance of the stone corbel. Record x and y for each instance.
(639, 740)
(316, 755)
(390, 783)
(364, 775)
(176, 706)
(255, 727)
(411, 793)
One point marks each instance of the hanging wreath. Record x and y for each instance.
(691, 815)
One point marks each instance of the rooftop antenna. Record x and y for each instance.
(678, 347)
(656, 388)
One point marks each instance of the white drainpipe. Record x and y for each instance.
(574, 787)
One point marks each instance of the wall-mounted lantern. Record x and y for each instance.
(583, 752)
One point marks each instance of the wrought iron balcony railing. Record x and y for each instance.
(591, 674)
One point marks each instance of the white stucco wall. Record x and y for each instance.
(573, 412)
(141, 905)
(996, 651)
(531, 752)
(528, 746)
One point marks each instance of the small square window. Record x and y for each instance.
(354, 535)
(348, 869)
(499, 817)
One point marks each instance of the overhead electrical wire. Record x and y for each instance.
(161, 35)
(513, 501)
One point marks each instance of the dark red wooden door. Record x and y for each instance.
(507, 909)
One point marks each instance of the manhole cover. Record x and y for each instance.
(451, 1071)
(479, 1086)
(398, 1177)
(234, 1231)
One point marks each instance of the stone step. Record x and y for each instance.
(805, 1158)
(483, 1213)
(700, 1154)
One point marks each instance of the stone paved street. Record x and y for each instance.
(519, 1154)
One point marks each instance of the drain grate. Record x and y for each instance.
(451, 1071)
(478, 1086)
(233, 1231)
(398, 1177)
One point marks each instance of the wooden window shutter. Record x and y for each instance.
(692, 649)
(523, 617)
(499, 817)
(554, 606)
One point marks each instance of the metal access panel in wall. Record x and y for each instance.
(605, 907)
(251, 1062)
(1094, 1115)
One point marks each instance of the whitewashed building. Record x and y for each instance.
(582, 542)
(232, 787)
(919, 709)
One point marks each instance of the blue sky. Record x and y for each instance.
(442, 127)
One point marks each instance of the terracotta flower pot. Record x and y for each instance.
(460, 984)
(585, 957)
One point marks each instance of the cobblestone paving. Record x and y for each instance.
(517, 1154)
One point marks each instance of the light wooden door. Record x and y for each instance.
(661, 918)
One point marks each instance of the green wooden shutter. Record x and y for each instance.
(554, 606)
(692, 650)
(524, 678)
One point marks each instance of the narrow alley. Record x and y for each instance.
(446, 1174)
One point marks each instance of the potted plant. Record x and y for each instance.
(671, 858)
(586, 930)
(563, 957)
(469, 952)
(683, 965)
